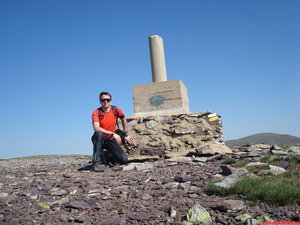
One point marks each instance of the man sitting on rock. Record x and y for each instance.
(104, 124)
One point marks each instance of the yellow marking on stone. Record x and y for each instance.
(213, 118)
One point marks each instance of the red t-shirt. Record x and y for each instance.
(107, 120)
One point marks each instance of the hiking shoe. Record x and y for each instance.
(98, 167)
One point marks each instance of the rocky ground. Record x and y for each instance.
(63, 190)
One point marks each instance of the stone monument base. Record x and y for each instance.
(173, 134)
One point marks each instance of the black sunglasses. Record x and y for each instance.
(105, 100)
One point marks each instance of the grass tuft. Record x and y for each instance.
(275, 191)
(241, 163)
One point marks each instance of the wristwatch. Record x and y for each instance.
(126, 134)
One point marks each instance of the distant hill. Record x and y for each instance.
(266, 138)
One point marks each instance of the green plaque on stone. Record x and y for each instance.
(157, 100)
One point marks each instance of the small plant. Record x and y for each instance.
(241, 163)
(285, 147)
(271, 159)
(87, 157)
(293, 160)
(266, 158)
(228, 161)
(257, 169)
(211, 188)
(253, 203)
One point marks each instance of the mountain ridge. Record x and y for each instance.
(266, 138)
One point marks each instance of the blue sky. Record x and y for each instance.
(238, 58)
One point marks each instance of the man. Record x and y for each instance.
(104, 124)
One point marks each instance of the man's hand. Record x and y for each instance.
(118, 138)
(129, 140)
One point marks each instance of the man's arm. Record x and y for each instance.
(128, 139)
(98, 128)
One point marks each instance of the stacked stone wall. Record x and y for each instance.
(169, 134)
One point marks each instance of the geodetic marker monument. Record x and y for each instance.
(161, 96)
(162, 124)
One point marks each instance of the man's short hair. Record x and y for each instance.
(104, 93)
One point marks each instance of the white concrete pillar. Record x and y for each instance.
(157, 56)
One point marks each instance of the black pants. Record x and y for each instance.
(114, 153)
